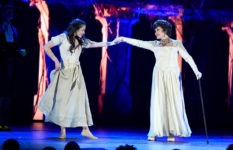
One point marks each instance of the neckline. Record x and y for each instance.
(164, 46)
(173, 44)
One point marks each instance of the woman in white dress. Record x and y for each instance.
(65, 101)
(167, 110)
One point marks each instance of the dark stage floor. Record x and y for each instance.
(39, 135)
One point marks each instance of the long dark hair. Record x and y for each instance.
(74, 25)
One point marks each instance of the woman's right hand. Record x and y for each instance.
(57, 65)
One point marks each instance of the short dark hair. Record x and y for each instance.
(49, 148)
(72, 145)
(126, 147)
(230, 147)
(165, 25)
(11, 144)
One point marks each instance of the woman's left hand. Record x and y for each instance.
(198, 75)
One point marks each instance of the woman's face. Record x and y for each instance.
(159, 33)
(80, 32)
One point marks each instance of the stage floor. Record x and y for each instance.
(39, 135)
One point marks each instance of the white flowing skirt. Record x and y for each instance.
(167, 110)
(65, 102)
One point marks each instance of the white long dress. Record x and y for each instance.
(65, 102)
(167, 110)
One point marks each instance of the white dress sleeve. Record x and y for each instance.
(87, 43)
(58, 39)
(185, 55)
(149, 45)
(92, 44)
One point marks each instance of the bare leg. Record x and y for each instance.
(152, 138)
(63, 133)
(86, 132)
(171, 138)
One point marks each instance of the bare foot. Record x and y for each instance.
(152, 138)
(63, 133)
(171, 138)
(62, 136)
(88, 134)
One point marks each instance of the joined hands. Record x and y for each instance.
(117, 41)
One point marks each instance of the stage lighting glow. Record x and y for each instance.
(230, 60)
(25, 1)
(103, 65)
(100, 14)
(43, 38)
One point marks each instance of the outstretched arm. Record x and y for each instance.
(92, 44)
(149, 45)
(183, 52)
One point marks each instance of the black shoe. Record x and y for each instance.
(1, 128)
(4, 128)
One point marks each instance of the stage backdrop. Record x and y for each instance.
(119, 85)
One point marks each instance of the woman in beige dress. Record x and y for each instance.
(65, 102)
(167, 110)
